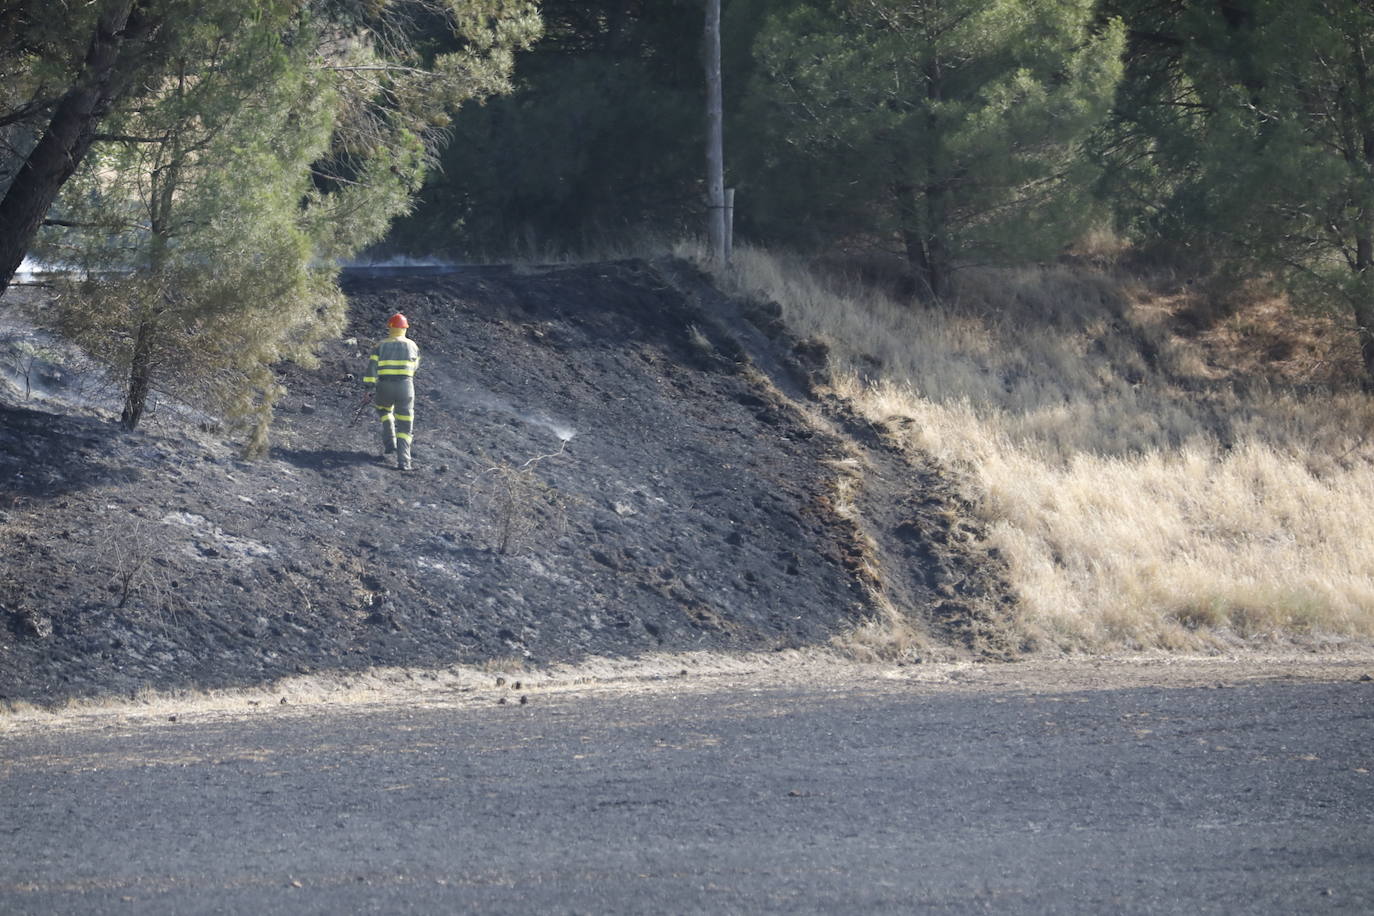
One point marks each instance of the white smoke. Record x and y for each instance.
(486, 400)
(400, 262)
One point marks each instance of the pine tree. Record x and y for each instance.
(954, 127)
(600, 141)
(398, 68)
(206, 232)
(1250, 135)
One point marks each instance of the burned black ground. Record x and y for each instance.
(611, 459)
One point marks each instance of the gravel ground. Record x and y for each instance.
(736, 788)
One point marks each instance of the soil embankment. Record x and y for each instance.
(611, 459)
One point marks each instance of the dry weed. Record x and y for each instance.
(516, 508)
(1140, 498)
(889, 634)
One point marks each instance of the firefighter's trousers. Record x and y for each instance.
(395, 402)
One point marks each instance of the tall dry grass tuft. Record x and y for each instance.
(1143, 496)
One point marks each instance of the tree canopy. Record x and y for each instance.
(1248, 132)
(210, 208)
(955, 126)
(948, 133)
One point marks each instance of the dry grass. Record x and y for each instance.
(889, 634)
(1147, 490)
(383, 691)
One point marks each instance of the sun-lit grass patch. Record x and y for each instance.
(1142, 494)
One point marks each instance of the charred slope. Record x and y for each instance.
(602, 468)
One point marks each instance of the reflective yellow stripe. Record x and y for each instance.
(369, 379)
(397, 366)
(405, 436)
(406, 417)
(374, 357)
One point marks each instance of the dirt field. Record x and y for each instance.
(784, 783)
(469, 687)
(613, 460)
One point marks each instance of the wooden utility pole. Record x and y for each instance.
(717, 217)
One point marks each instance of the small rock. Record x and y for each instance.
(307, 408)
(171, 718)
(1366, 678)
(501, 702)
(283, 701)
(524, 700)
(39, 625)
(500, 682)
(604, 559)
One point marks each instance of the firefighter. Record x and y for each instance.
(391, 368)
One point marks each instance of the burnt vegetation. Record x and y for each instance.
(611, 459)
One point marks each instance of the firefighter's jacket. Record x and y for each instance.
(393, 360)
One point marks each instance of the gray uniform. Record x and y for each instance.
(392, 369)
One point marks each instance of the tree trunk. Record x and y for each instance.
(937, 250)
(1364, 321)
(924, 206)
(1364, 241)
(162, 193)
(927, 255)
(67, 140)
(918, 262)
(140, 375)
(1363, 306)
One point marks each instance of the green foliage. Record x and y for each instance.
(1253, 138)
(601, 139)
(194, 250)
(396, 96)
(206, 234)
(953, 127)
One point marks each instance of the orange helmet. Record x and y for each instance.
(397, 321)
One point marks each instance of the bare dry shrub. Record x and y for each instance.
(503, 664)
(67, 371)
(887, 637)
(516, 508)
(133, 552)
